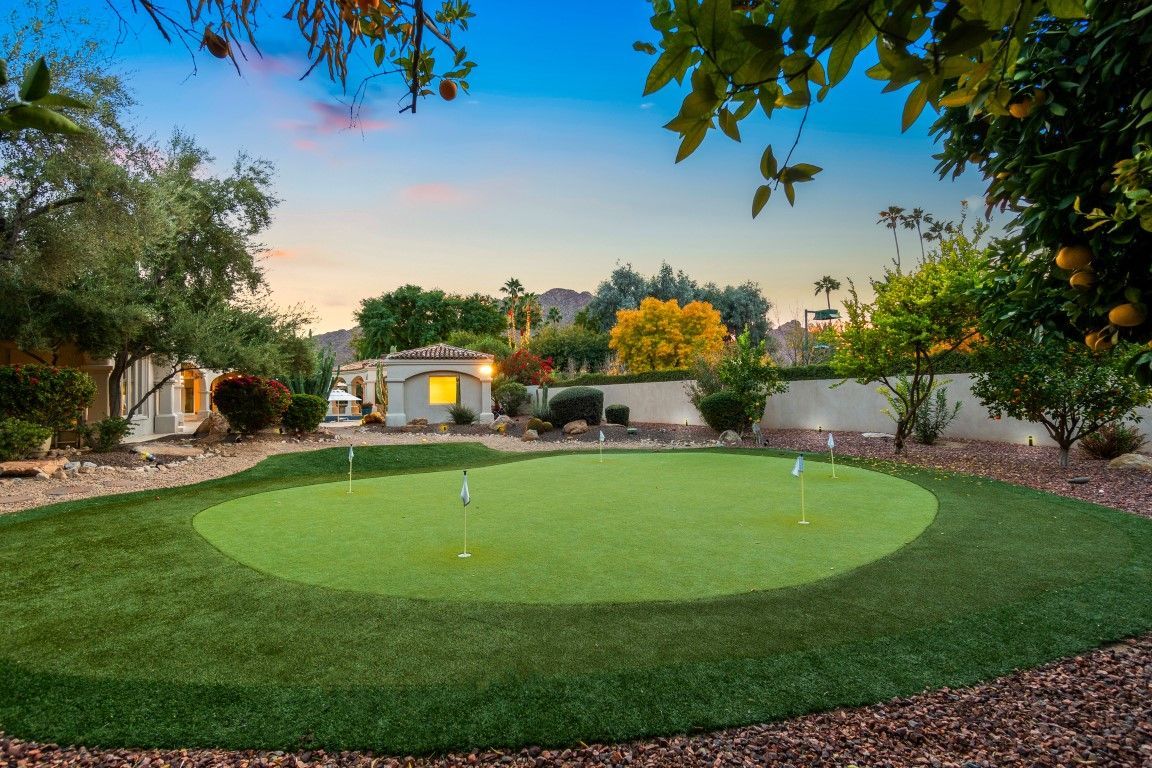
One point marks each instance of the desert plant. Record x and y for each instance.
(575, 403)
(19, 438)
(616, 414)
(540, 409)
(511, 395)
(540, 425)
(46, 395)
(934, 416)
(251, 403)
(104, 435)
(461, 414)
(1113, 440)
(376, 417)
(723, 410)
(318, 380)
(304, 413)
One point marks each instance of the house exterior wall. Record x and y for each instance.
(407, 382)
(416, 405)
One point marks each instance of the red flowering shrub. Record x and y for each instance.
(41, 394)
(251, 403)
(527, 368)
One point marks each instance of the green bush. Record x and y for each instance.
(251, 403)
(540, 425)
(723, 410)
(42, 394)
(304, 413)
(1113, 440)
(19, 438)
(574, 403)
(616, 414)
(934, 416)
(461, 414)
(511, 395)
(104, 435)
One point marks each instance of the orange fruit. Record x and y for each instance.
(216, 45)
(447, 90)
(1039, 96)
(975, 157)
(1127, 315)
(1098, 342)
(368, 5)
(1020, 109)
(1083, 279)
(1074, 257)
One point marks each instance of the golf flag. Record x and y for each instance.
(601, 435)
(464, 495)
(831, 442)
(832, 452)
(799, 468)
(351, 454)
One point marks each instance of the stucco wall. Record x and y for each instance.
(416, 396)
(819, 404)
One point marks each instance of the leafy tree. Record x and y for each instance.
(826, 285)
(744, 371)
(475, 313)
(661, 335)
(625, 288)
(666, 285)
(572, 348)
(411, 317)
(742, 308)
(1065, 387)
(494, 344)
(916, 320)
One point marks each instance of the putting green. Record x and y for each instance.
(573, 529)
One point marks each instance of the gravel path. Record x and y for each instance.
(1093, 709)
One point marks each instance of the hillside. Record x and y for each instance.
(339, 342)
(569, 302)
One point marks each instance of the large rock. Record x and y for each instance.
(31, 468)
(530, 435)
(577, 427)
(500, 423)
(730, 439)
(1132, 461)
(213, 425)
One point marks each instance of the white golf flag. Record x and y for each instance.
(351, 454)
(831, 442)
(464, 496)
(799, 468)
(601, 435)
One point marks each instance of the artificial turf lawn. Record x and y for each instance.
(123, 626)
(575, 529)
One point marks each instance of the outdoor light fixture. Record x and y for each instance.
(1030, 440)
(485, 370)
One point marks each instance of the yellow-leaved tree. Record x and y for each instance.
(661, 335)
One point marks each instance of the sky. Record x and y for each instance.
(553, 169)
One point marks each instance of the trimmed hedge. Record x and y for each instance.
(575, 403)
(723, 410)
(304, 413)
(616, 414)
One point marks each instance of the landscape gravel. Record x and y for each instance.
(1092, 709)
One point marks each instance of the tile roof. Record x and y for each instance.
(439, 352)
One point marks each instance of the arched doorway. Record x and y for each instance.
(356, 389)
(192, 400)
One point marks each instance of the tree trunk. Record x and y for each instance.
(897, 241)
(1064, 456)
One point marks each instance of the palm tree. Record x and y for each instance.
(912, 221)
(513, 288)
(554, 316)
(891, 218)
(530, 303)
(827, 284)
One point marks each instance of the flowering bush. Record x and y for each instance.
(527, 368)
(42, 394)
(251, 403)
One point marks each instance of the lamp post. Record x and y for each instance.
(817, 314)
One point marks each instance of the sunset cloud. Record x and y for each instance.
(281, 253)
(329, 119)
(437, 193)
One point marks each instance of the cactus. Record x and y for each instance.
(318, 381)
(381, 388)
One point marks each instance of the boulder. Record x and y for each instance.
(500, 423)
(418, 423)
(730, 439)
(1132, 461)
(530, 435)
(577, 427)
(878, 435)
(213, 425)
(30, 468)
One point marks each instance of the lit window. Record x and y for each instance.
(442, 390)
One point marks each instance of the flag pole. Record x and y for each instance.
(832, 453)
(803, 515)
(350, 455)
(465, 497)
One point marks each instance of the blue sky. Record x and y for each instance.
(553, 169)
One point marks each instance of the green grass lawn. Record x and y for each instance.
(574, 529)
(124, 626)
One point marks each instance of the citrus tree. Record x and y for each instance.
(916, 322)
(1065, 387)
(660, 334)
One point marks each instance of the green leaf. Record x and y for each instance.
(713, 23)
(60, 100)
(963, 37)
(3, 73)
(805, 171)
(44, 120)
(672, 63)
(764, 38)
(846, 48)
(760, 199)
(644, 47)
(378, 54)
(6, 124)
(768, 166)
(790, 193)
(729, 125)
(37, 81)
(914, 106)
(692, 140)
(1068, 9)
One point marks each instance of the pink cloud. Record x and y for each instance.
(437, 193)
(331, 119)
(281, 253)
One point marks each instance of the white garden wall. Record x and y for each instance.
(822, 405)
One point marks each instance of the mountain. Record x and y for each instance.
(339, 343)
(569, 302)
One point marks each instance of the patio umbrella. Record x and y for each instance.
(340, 396)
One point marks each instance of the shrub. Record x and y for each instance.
(526, 368)
(540, 425)
(1113, 440)
(934, 416)
(461, 414)
(511, 395)
(251, 403)
(45, 395)
(19, 438)
(576, 403)
(104, 435)
(304, 413)
(616, 414)
(376, 417)
(723, 410)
